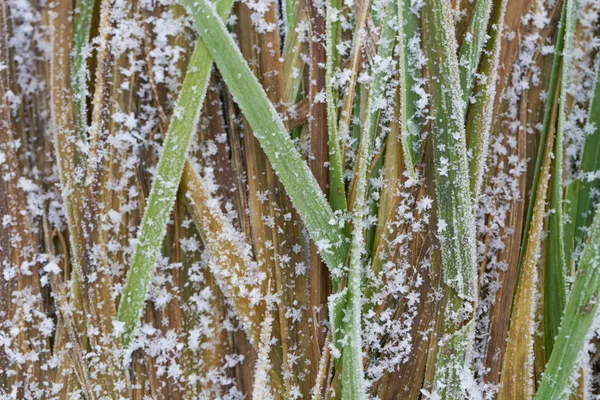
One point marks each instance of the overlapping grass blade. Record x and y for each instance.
(337, 190)
(353, 385)
(456, 228)
(410, 128)
(229, 249)
(164, 188)
(479, 123)
(547, 122)
(270, 131)
(293, 49)
(470, 51)
(576, 325)
(556, 266)
(578, 204)
(517, 371)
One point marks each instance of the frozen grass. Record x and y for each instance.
(299, 199)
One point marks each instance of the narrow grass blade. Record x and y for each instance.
(456, 225)
(470, 51)
(353, 384)
(556, 265)
(337, 190)
(410, 127)
(578, 204)
(547, 122)
(517, 380)
(293, 49)
(361, 13)
(353, 381)
(480, 118)
(576, 326)
(233, 265)
(270, 131)
(164, 189)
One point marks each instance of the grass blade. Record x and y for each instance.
(517, 372)
(556, 266)
(470, 51)
(353, 384)
(409, 74)
(480, 117)
(550, 94)
(164, 189)
(578, 204)
(576, 325)
(269, 129)
(456, 228)
(337, 190)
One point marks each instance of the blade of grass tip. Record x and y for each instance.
(578, 204)
(456, 225)
(337, 191)
(577, 325)
(470, 50)
(556, 265)
(482, 111)
(270, 131)
(353, 384)
(164, 188)
(81, 35)
(516, 380)
(409, 121)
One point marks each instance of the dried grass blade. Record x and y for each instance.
(164, 188)
(517, 371)
(270, 131)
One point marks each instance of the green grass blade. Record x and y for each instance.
(470, 50)
(270, 131)
(81, 36)
(556, 266)
(456, 227)
(337, 191)
(577, 323)
(578, 204)
(550, 94)
(353, 384)
(456, 230)
(293, 49)
(290, 14)
(482, 111)
(409, 120)
(164, 188)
